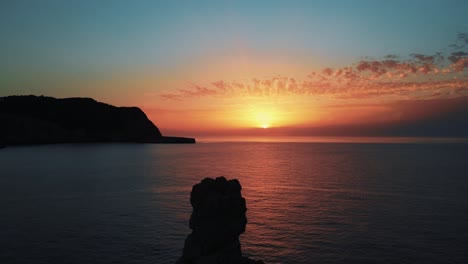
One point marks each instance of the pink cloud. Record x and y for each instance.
(417, 75)
(327, 71)
(460, 65)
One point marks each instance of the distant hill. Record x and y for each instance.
(44, 120)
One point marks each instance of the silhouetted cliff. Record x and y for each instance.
(43, 120)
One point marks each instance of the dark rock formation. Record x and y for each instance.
(44, 120)
(217, 221)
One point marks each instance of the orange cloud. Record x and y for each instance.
(460, 64)
(416, 76)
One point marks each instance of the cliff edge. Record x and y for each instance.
(45, 120)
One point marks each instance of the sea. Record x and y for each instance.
(317, 201)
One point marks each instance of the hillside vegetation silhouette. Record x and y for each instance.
(45, 120)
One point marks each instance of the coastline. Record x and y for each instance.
(163, 140)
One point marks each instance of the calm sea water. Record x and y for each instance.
(307, 202)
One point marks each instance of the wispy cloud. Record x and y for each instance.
(413, 76)
(195, 91)
(462, 41)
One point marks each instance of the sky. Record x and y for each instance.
(249, 67)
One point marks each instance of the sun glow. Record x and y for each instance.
(266, 115)
(264, 119)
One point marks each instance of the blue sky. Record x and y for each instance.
(73, 35)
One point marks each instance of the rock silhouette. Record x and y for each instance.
(218, 219)
(44, 120)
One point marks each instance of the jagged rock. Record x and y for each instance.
(218, 219)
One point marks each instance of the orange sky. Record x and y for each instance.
(243, 67)
(363, 92)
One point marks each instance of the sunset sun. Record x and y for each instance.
(263, 119)
(267, 115)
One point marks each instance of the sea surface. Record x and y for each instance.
(307, 202)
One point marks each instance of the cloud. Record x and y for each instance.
(170, 96)
(414, 76)
(459, 65)
(195, 91)
(391, 56)
(455, 56)
(327, 71)
(350, 86)
(462, 41)
(430, 117)
(427, 59)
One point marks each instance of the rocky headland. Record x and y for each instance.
(218, 219)
(47, 120)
